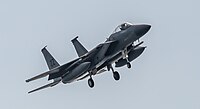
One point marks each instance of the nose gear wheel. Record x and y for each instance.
(91, 82)
(116, 75)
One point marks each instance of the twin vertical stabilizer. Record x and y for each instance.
(80, 49)
(51, 62)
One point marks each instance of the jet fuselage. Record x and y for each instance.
(119, 48)
(122, 39)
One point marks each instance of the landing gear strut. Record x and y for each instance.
(125, 56)
(116, 75)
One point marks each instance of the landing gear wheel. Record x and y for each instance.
(91, 83)
(116, 75)
(128, 65)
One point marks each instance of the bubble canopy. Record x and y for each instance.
(123, 26)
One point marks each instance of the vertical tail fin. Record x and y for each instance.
(51, 62)
(80, 49)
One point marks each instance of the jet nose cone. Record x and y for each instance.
(141, 30)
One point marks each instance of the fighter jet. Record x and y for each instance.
(120, 48)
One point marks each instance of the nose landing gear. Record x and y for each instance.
(125, 56)
(128, 65)
(116, 75)
(91, 82)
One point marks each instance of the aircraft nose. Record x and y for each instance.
(141, 30)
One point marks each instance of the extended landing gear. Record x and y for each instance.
(116, 75)
(91, 82)
(125, 56)
(128, 65)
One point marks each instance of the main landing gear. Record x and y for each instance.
(116, 75)
(90, 80)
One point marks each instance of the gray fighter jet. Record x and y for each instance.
(122, 47)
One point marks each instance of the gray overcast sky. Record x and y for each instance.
(165, 76)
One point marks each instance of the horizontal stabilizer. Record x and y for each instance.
(52, 71)
(38, 77)
(45, 86)
(43, 75)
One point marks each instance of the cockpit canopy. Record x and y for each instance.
(123, 26)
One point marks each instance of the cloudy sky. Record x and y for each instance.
(165, 76)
